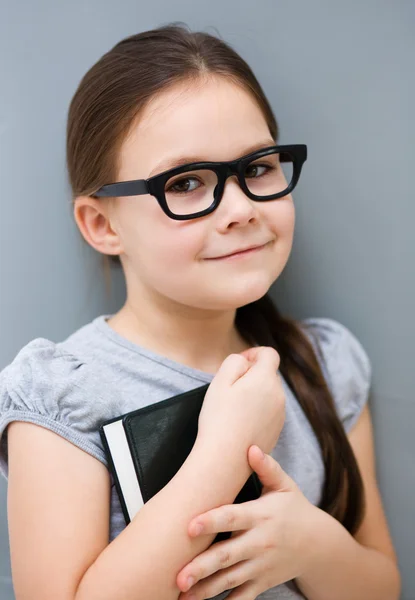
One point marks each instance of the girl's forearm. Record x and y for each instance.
(342, 569)
(143, 561)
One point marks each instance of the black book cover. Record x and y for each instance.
(160, 436)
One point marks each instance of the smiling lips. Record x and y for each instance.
(249, 251)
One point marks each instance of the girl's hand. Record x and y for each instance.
(272, 541)
(246, 396)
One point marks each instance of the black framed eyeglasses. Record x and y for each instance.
(266, 174)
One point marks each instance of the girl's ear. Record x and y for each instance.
(93, 219)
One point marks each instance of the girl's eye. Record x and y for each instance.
(182, 185)
(255, 168)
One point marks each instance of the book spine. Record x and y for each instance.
(114, 475)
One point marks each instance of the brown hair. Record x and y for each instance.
(109, 98)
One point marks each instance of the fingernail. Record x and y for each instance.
(190, 582)
(198, 528)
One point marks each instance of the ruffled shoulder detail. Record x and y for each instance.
(345, 364)
(49, 386)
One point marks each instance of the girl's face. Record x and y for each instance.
(213, 121)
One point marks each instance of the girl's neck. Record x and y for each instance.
(202, 345)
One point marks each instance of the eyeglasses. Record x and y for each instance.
(266, 174)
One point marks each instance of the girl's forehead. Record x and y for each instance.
(211, 121)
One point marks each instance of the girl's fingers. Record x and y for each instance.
(262, 354)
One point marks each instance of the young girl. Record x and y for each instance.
(197, 310)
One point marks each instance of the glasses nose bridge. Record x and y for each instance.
(230, 168)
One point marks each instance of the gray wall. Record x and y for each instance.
(340, 78)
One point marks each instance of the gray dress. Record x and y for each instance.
(95, 374)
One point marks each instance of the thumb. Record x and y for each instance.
(271, 474)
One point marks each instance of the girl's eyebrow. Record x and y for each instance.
(172, 162)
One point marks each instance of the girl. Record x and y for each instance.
(197, 310)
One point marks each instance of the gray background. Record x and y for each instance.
(339, 76)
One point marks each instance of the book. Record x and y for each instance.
(146, 447)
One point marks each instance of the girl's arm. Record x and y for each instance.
(344, 569)
(58, 516)
(142, 563)
(363, 567)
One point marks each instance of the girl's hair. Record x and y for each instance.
(108, 100)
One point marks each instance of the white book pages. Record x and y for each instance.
(124, 466)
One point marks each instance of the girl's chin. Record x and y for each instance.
(230, 295)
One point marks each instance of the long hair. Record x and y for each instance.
(109, 98)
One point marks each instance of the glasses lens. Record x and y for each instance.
(270, 174)
(190, 192)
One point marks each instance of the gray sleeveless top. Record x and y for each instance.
(95, 374)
